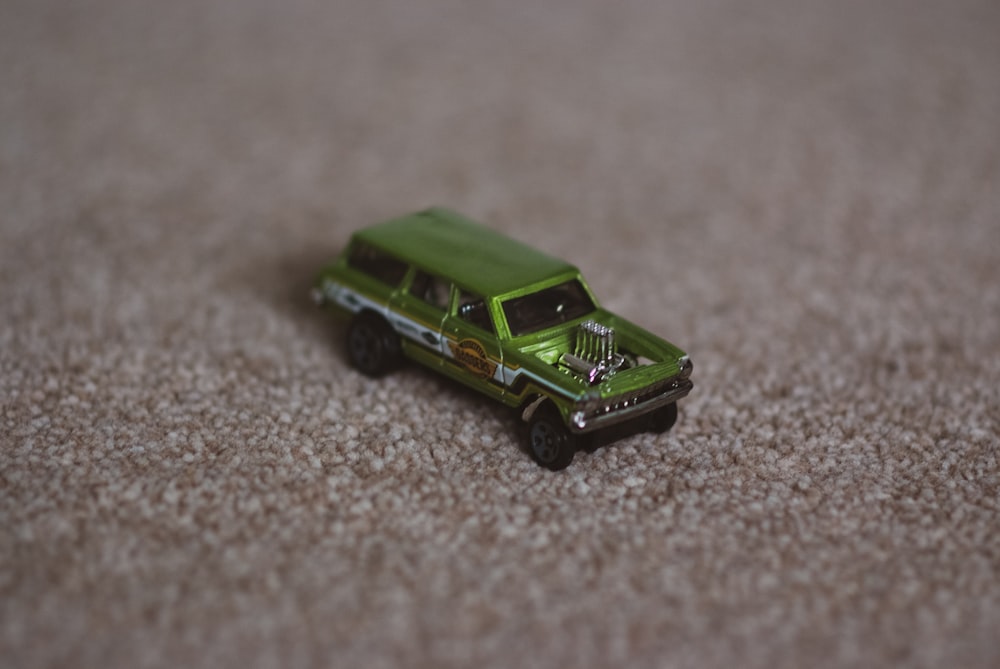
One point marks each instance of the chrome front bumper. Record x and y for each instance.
(598, 413)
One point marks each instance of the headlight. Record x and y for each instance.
(685, 366)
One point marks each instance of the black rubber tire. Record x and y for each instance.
(663, 419)
(550, 442)
(372, 345)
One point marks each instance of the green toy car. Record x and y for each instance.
(505, 319)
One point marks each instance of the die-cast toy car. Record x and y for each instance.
(503, 318)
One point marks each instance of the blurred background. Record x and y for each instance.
(804, 195)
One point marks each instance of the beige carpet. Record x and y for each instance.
(804, 195)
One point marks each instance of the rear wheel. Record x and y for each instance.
(372, 345)
(549, 440)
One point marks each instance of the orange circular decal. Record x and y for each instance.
(470, 354)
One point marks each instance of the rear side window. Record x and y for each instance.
(377, 264)
(433, 290)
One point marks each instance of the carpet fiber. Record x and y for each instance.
(803, 195)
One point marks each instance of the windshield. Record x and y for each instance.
(547, 307)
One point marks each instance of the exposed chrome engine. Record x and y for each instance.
(595, 353)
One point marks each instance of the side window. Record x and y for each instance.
(433, 290)
(377, 264)
(472, 309)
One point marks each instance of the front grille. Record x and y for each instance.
(625, 400)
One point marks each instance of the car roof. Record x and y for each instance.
(477, 258)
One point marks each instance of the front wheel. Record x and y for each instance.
(372, 345)
(549, 440)
(663, 419)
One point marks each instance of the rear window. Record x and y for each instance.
(377, 264)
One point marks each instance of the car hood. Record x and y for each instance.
(646, 358)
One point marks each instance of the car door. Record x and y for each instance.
(473, 352)
(418, 312)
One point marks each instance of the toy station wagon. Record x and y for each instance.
(503, 318)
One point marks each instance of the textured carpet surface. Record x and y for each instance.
(804, 195)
